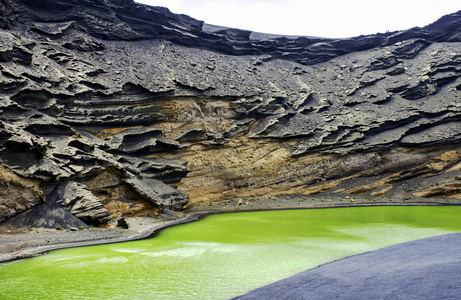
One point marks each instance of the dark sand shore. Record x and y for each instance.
(429, 268)
(17, 243)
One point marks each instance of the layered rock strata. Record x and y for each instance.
(80, 202)
(49, 214)
(17, 194)
(137, 102)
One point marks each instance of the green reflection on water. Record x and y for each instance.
(221, 256)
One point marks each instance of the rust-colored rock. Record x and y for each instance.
(17, 194)
(119, 198)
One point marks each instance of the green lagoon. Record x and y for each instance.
(223, 255)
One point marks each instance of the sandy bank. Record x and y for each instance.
(18, 243)
(429, 268)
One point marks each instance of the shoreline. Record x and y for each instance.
(21, 243)
(83, 237)
(391, 273)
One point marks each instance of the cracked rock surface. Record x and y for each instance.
(164, 104)
(80, 202)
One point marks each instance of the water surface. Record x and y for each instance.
(221, 256)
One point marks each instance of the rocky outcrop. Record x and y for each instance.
(49, 214)
(17, 194)
(125, 20)
(163, 104)
(119, 198)
(159, 193)
(80, 202)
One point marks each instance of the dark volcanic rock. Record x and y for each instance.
(92, 86)
(80, 202)
(49, 214)
(159, 193)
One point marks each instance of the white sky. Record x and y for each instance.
(324, 18)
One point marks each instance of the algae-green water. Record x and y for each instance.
(221, 256)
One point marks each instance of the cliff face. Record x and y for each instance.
(141, 106)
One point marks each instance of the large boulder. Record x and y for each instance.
(159, 193)
(80, 202)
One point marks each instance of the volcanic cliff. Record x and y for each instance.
(112, 109)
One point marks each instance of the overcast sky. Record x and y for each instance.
(325, 18)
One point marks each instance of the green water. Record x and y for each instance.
(221, 256)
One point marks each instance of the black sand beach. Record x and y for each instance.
(429, 268)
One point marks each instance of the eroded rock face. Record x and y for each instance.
(119, 198)
(17, 194)
(49, 214)
(80, 202)
(89, 88)
(159, 193)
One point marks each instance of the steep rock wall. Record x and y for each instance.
(96, 88)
